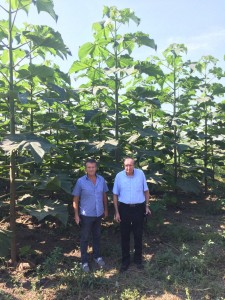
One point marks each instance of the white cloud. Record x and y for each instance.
(208, 43)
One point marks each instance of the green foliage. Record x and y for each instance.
(189, 185)
(55, 183)
(38, 146)
(215, 207)
(179, 234)
(169, 200)
(129, 294)
(51, 264)
(47, 6)
(107, 63)
(5, 238)
(183, 267)
(76, 279)
(157, 217)
(6, 296)
(48, 128)
(24, 77)
(25, 252)
(47, 207)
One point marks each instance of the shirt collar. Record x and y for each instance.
(88, 178)
(129, 175)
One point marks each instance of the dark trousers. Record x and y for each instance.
(90, 226)
(132, 219)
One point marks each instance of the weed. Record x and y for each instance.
(3, 263)
(184, 267)
(51, 263)
(157, 217)
(169, 200)
(5, 296)
(178, 233)
(185, 260)
(129, 294)
(215, 207)
(25, 252)
(195, 264)
(84, 281)
(187, 294)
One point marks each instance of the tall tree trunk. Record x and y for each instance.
(117, 116)
(175, 127)
(12, 155)
(116, 96)
(206, 155)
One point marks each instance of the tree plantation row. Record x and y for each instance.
(166, 112)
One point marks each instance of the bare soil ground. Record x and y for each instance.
(184, 259)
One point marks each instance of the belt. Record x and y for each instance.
(131, 205)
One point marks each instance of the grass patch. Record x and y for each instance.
(184, 259)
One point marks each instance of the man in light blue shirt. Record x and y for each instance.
(90, 205)
(131, 203)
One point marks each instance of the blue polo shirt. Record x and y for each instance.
(91, 195)
(130, 189)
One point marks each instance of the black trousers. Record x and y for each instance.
(132, 219)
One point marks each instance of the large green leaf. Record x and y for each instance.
(149, 68)
(148, 132)
(155, 178)
(48, 207)
(38, 146)
(143, 39)
(133, 138)
(82, 65)
(108, 145)
(23, 97)
(21, 4)
(5, 238)
(122, 16)
(91, 115)
(56, 183)
(44, 36)
(41, 71)
(218, 89)
(59, 90)
(47, 6)
(189, 185)
(153, 101)
(85, 50)
(92, 50)
(183, 147)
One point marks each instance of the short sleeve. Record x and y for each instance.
(145, 182)
(77, 188)
(105, 186)
(116, 187)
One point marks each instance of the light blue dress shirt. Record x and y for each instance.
(91, 195)
(130, 189)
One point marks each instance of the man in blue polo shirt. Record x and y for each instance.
(131, 203)
(90, 205)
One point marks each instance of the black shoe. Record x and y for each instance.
(140, 266)
(124, 268)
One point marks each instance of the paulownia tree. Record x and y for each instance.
(107, 63)
(203, 114)
(177, 96)
(25, 77)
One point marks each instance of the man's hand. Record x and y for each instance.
(77, 219)
(147, 211)
(117, 217)
(106, 213)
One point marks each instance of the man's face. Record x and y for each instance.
(129, 166)
(91, 169)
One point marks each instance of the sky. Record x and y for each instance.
(199, 24)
